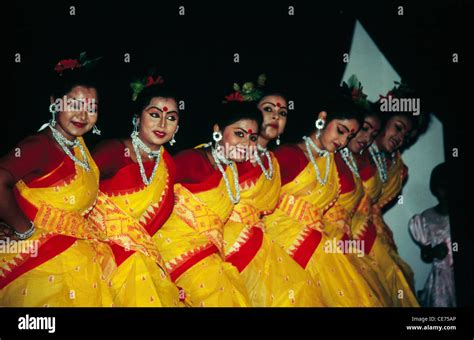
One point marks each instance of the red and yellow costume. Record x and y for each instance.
(191, 241)
(272, 278)
(368, 225)
(297, 225)
(338, 222)
(132, 213)
(71, 266)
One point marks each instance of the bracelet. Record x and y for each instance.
(27, 234)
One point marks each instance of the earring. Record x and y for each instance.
(173, 141)
(52, 109)
(278, 140)
(135, 125)
(95, 130)
(217, 136)
(319, 126)
(361, 152)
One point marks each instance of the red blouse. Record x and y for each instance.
(34, 157)
(292, 161)
(192, 166)
(110, 157)
(346, 177)
(366, 171)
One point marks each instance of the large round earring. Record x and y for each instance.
(95, 130)
(135, 125)
(52, 109)
(278, 140)
(217, 136)
(173, 141)
(319, 124)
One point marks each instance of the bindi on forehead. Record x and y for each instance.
(249, 131)
(165, 108)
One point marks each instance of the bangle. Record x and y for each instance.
(27, 234)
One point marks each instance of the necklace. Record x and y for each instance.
(380, 162)
(268, 174)
(350, 161)
(310, 145)
(218, 159)
(65, 144)
(139, 145)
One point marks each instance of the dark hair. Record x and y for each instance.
(83, 76)
(385, 116)
(144, 98)
(232, 112)
(439, 178)
(273, 91)
(337, 107)
(371, 111)
(342, 107)
(419, 123)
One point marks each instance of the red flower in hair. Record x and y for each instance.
(150, 81)
(389, 94)
(67, 64)
(234, 97)
(355, 93)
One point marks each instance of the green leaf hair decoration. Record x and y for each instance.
(354, 88)
(249, 92)
(137, 86)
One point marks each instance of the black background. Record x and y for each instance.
(300, 54)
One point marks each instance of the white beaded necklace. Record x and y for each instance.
(350, 161)
(65, 144)
(310, 144)
(218, 159)
(380, 162)
(139, 145)
(268, 174)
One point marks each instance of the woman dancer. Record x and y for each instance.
(310, 186)
(137, 177)
(48, 184)
(271, 276)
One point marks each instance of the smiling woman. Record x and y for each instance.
(48, 184)
(136, 188)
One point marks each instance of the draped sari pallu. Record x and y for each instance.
(338, 225)
(130, 213)
(396, 176)
(297, 222)
(298, 225)
(368, 225)
(272, 277)
(67, 246)
(192, 245)
(258, 197)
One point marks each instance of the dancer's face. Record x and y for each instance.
(337, 133)
(394, 134)
(274, 110)
(159, 121)
(79, 112)
(366, 135)
(239, 139)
